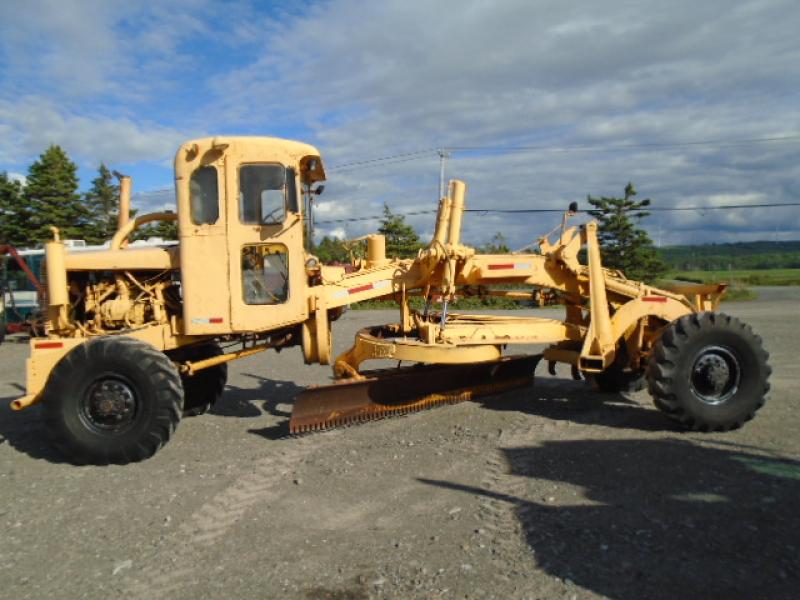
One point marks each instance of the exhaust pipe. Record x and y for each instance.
(124, 200)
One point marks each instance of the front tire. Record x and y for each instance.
(113, 400)
(709, 371)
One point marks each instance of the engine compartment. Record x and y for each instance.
(115, 300)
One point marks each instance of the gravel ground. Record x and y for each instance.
(549, 492)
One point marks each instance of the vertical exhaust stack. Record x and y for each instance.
(57, 292)
(124, 200)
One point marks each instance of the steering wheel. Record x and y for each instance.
(268, 218)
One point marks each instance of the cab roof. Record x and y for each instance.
(255, 148)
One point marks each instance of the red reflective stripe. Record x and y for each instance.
(49, 345)
(654, 298)
(215, 320)
(501, 266)
(361, 288)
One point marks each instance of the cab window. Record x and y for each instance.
(204, 196)
(265, 274)
(262, 195)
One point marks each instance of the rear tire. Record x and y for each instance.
(204, 388)
(709, 372)
(112, 400)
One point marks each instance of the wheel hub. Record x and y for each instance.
(109, 405)
(714, 371)
(715, 375)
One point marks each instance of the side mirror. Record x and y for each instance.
(318, 190)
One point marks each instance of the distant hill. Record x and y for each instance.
(739, 255)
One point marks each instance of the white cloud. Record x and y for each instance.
(125, 83)
(17, 177)
(154, 201)
(338, 233)
(35, 124)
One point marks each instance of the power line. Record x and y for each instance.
(579, 148)
(373, 163)
(430, 152)
(721, 207)
(408, 155)
(643, 209)
(513, 211)
(375, 217)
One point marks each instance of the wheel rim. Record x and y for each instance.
(109, 406)
(715, 375)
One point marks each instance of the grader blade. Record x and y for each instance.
(400, 391)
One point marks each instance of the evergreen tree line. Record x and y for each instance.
(50, 197)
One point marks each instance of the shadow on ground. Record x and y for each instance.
(268, 397)
(552, 398)
(575, 401)
(659, 518)
(24, 431)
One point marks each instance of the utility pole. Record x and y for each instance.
(443, 156)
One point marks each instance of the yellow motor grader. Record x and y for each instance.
(133, 334)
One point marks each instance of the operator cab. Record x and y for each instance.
(242, 228)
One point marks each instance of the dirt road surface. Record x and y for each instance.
(550, 492)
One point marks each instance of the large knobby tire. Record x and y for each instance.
(112, 400)
(204, 388)
(709, 371)
(619, 377)
(614, 381)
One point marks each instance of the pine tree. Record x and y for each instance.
(625, 246)
(52, 198)
(102, 202)
(498, 245)
(166, 230)
(332, 250)
(401, 239)
(13, 214)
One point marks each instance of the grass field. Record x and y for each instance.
(743, 277)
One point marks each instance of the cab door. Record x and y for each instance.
(203, 241)
(265, 247)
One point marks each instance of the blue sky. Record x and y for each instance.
(126, 83)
